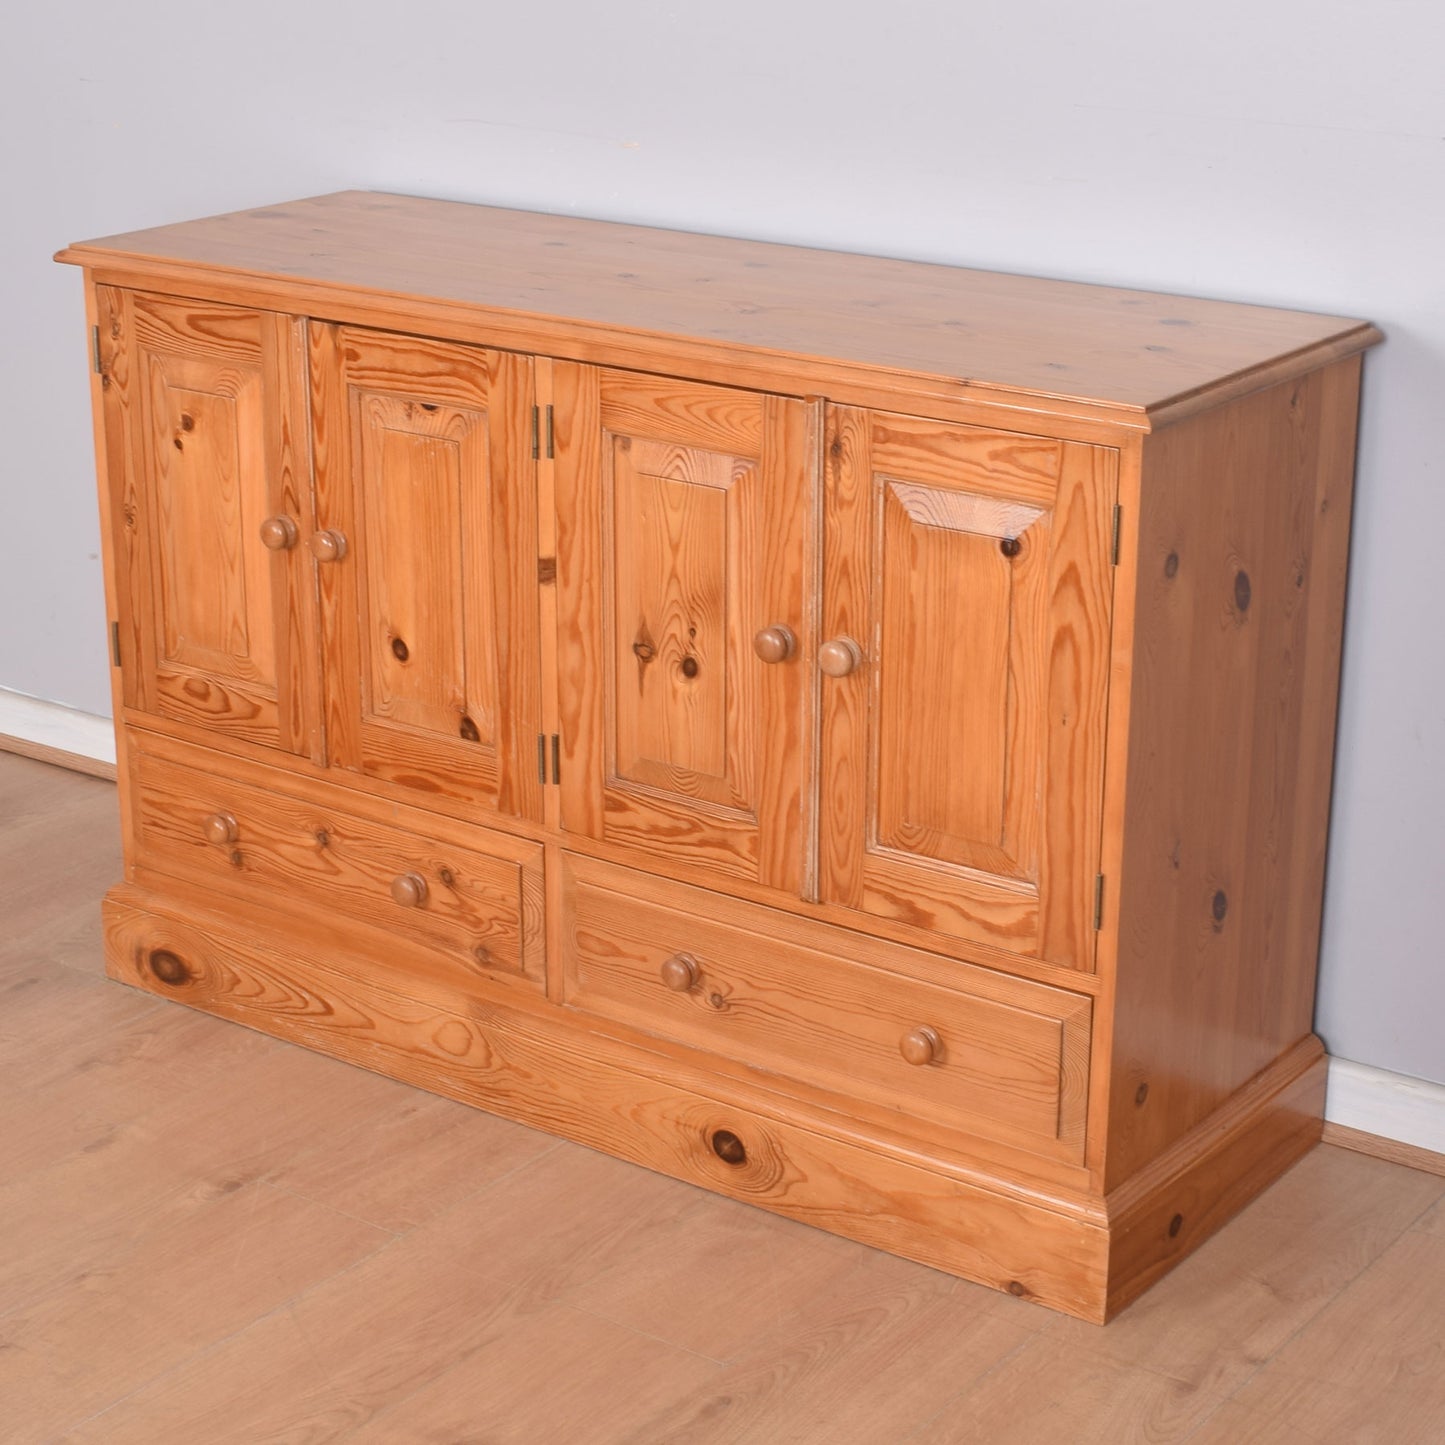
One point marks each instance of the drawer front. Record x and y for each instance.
(996, 1056)
(479, 908)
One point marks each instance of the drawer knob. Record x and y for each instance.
(328, 546)
(278, 534)
(680, 972)
(775, 644)
(221, 828)
(921, 1046)
(840, 656)
(409, 889)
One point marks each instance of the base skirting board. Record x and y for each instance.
(55, 733)
(1365, 1100)
(1360, 1100)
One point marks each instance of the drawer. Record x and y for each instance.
(478, 907)
(997, 1056)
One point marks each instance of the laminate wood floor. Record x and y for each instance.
(209, 1236)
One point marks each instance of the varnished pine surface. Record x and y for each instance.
(1133, 350)
(191, 1208)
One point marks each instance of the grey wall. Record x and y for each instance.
(1288, 152)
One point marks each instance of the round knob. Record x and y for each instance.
(221, 828)
(409, 889)
(328, 546)
(840, 656)
(921, 1046)
(680, 972)
(775, 644)
(278, 534)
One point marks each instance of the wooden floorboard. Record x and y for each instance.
(210, 1236)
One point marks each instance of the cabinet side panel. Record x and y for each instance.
(1243, 536)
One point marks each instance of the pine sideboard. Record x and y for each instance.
(851, 734)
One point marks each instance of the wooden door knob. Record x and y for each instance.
(409, 889)
(680, 972)
(221, 828)
(278, 534)
(921, 1046)
(775, 644)
(840, 656)
(328, 546)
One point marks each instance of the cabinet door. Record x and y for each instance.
(683, 526)
(206, 442)
(426, 505)
(967, 603)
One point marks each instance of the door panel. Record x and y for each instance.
(962, 755)
(423, 466)
(205, 415)
(683, 529)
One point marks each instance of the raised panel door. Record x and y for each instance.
(426, 504)
(205, 423)
(967, 607)
(683, 533)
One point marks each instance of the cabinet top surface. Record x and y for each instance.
(1130, 350)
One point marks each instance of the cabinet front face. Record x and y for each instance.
(426, 548)
(205, 434)
(683, 644)
(967, 603)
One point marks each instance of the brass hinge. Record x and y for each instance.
(546, 570)
(536, 430)
(115, 644)
(95, 351)
(1118, 517)
(1098, 902)
(556, 758)
(542, 758)
(551, 440)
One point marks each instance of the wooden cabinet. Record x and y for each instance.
(852, 735)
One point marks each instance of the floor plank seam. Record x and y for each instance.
(1324, 1304)
(963, 1391)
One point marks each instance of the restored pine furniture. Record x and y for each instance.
(851, 734)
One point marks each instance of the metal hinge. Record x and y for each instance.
(115, 644)
(551, 438)
(556, 751)
(1098, 902)
(546, 570)
(95, 351)
(1118, 517)
(536, 429)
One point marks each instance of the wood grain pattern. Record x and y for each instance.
(964, 765)
(1012, 1059)
(151, 1266)
(430, 620)
(504, 1064)
(1236, 646)
(199, 406)
(672, 553)
(481, 906)
(989, 334)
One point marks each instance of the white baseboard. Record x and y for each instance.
(1393, 1106)
(56, 727)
